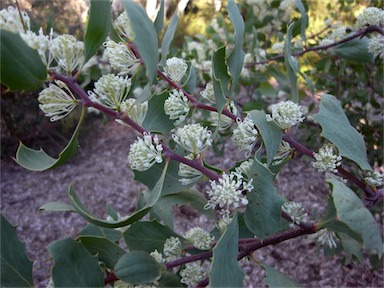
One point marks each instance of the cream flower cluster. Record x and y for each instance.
(10, 20)
(227, 193)
(286, 114)
(295, 211)
(145, 152)
(245, 135)
(224, 122)
(284, 151)
(121, 57)
(188, 174)
(376, 46)
(199, 238)
(111, 91)
(157, 256)
(208, 93)
(192, 274)
(374, 178)
(370, 16)
(327, 159)
(68, 52)
(244, 167)
(175, 68)
(57, 101)
(193, 137)
(39, 42)
(135, 110)
(123, 26)
(324, 236)
(176, 106)
(172, 248)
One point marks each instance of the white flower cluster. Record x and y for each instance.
(374, 178)
(175, 68)
(324, 236)
(327, 159)
(122, 284)
(39, 42)
(121, 57)
(123, 26)
(135, 110)
(199, 238)
(10, 20)
(188, 174)
(193, 137)
(288, 7)
(224, 122)
(57, 101)
(68, 52)
(295, 211)
(286, 114)
(227, 193)
(172, 248)
(244, 167)
(157, 256)
(339, 33)
(370, 16)
(208, 93)
(376, 46)
(192, 274)
(245, 135)
(111, 91)
(176, 106)
(284, 151)
(145, 152)
(278, 47)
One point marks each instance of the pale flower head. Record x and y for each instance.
(284, 151)
(10, 20)
(376, 46)
(188, 174)
(244, 167)
(57, 101)
(208, 93)
(224, 122)
(111, 91)
(157, 256)
(278, 47)
(327, 159)
(39, 42)
(227, 193)
(123, 26)
(374, 178)
(370, 16)
(339, 33)
(175, 68)
(172, 248)
(193, 137)
(326, 42)
(135, 110)
(245, 135)
(199, 238)
(324, 236)
(68, 52)
(286, 114)
(295, 211)
(121, 57)
(145, 152)
(176, 106)
(192, 274)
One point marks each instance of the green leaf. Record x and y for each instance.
(159, 21)
(145, 37)
(169, 279)
(236, 59)
(98, 26)
(270, 133)
(21, 67)
(264, 202)
(304, 18)
(74, 266)
(351, 211)
(137, 267)
(337, 129)
(156, 120)
(168, 37)
(220, 79)
(56, 207)
(147, 236)
(225, 270)
(97, 231)
(274, 278)
(39, 160)
(16, 268)
(105, 250)
(355, 50)
(291, 64)
(351, 247)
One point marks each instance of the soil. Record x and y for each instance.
(100, 174)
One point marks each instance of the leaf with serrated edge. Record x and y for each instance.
(337, 129)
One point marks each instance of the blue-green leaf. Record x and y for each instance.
(291, 64)
(56, 207)
(21, 67)
(274, 278)
(304, 18)
(355, 50)
(270, 133)
(225, 269)
(221, 79)
(337, 129)
(264, 202)
(137, 267)
(168, 37)
(156, 120)
(91, 230)
(74, 266)
(159, 21)
(145, 37)
(16, 268)
(39, 160)
(236, 59)
(98, 26)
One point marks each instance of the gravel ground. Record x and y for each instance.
(100, 175)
